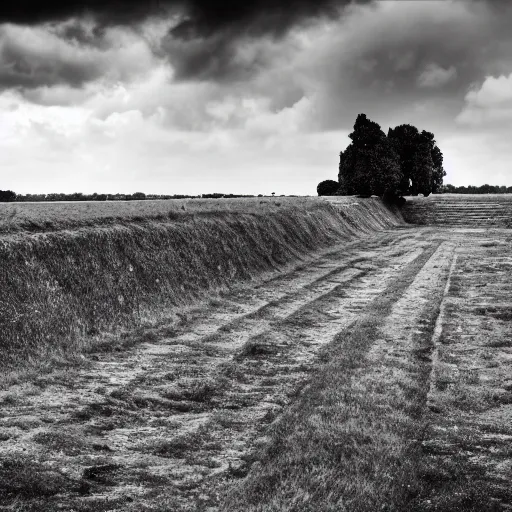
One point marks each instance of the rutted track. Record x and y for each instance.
(212, 385)
(171, 423)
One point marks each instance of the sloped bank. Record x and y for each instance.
(62, 287)
(467, 210)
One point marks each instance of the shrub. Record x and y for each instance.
(7, 196)
(327, 188)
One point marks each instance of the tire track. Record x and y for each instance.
(181, 414)
(345, 444)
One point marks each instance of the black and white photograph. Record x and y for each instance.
(255, 256)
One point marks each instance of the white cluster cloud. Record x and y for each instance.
(489, 105)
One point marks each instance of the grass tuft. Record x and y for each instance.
(65, 442)
(21, 477)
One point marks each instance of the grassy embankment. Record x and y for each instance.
(478, 211)
(72, 272)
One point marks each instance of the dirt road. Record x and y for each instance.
(174, 422)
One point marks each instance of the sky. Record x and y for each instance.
(193, 96)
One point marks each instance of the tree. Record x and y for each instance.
(327, 188)
(7, 196)
(404, 139)
(416, 152)
(448, 189)
(438, 172)
(422, 167)
(369, 165)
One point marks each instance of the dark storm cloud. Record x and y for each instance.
(31, 12)
(203, 17)
(29, 60)
(255, 18)
(403, 51)
(203, 43)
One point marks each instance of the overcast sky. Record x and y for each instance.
(180, 96)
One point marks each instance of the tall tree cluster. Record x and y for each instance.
(370, 164)
(403, 162)
(421, 161)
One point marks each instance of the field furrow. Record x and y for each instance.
(349, 442)
(182, 413)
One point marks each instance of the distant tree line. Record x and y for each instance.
(403, 162)
(471, 189)
(10, 196)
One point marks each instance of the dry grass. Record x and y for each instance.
(62, 290)
(349, 443)
(45, 217)
(21, 477)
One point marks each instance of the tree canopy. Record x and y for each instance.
(370, 165)
(404, 162)
(438, 172)
(416, 151)
(327, 188)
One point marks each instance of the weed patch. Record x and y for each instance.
(68, 443)
(182, 445)
(195, 391)
(21, 477)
